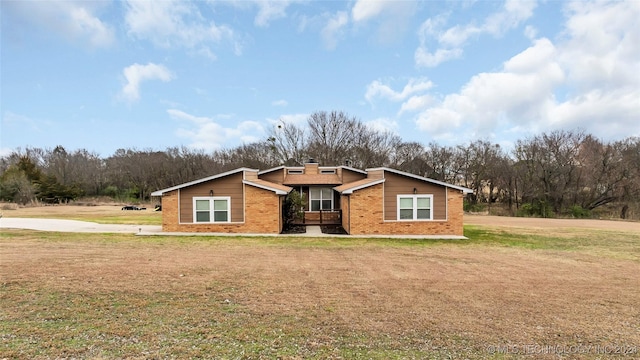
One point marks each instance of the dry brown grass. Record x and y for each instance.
(105, 214)
(119, 296)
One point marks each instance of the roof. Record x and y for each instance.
(270, 170)
(199, 181)
(352, 169)
(349, 188)
(319, 167)
(312, 179)
(267, 185)
(461, 188)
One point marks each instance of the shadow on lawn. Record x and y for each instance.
(326, 229)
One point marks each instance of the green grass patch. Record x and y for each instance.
(49, 323)
(620, 245)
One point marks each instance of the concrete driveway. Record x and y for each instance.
(74, 226)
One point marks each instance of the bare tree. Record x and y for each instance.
(372, 148)
(289, 143)
(446, 163)
(332, 134)
(551, 167)
(410, 157)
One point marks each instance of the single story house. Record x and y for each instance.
(378, 201)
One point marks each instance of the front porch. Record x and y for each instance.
(320, 217)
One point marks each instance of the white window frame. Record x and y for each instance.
(321, 199)
(212, 211)
(415, 198)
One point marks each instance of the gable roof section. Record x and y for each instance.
(461, 188)
(267, 185)
(345, 167)
(199, 181)
(272, 169)
(349, 188)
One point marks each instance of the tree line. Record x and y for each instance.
(556, 173)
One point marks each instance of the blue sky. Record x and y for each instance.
(104, 75)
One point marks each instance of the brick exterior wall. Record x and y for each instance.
(262, 215)
(366, 216)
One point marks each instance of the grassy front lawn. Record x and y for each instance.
(123, 296)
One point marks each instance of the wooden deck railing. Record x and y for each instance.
(321, 217)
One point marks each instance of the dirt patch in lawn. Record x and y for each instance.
(56, 211)
(433, 298)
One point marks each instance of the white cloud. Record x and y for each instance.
(280, 102)
(392, 17)
(83, 22)
(588, 79)
(208, 134)
(424, 58)
(602, 46)
(13, 120)
(75, 20)
(416, 103)
(334, 29)
(379, 90)
(136, 74)
(383, 125)
(514, 13)
(366, 9)
(270, 10)
(530, 32)
(174, 23)
(451, 41)
(521, 91)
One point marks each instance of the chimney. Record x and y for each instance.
(311, 167)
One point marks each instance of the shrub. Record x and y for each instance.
(476, 208)
(536, 208)
(579, 212)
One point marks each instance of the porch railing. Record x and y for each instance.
(333, 216)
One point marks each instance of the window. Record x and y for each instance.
(332, 171)
(320, 198)
(415, 207)
(295, 171)
(211, 209)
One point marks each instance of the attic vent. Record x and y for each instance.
(295, 171)
(332, 171)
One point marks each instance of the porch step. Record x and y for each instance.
(314, 230)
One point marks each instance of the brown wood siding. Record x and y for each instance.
(395, 185)
(375, 174)
(351, 176)
(276, 176)
(346, 213)
(227, 186)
